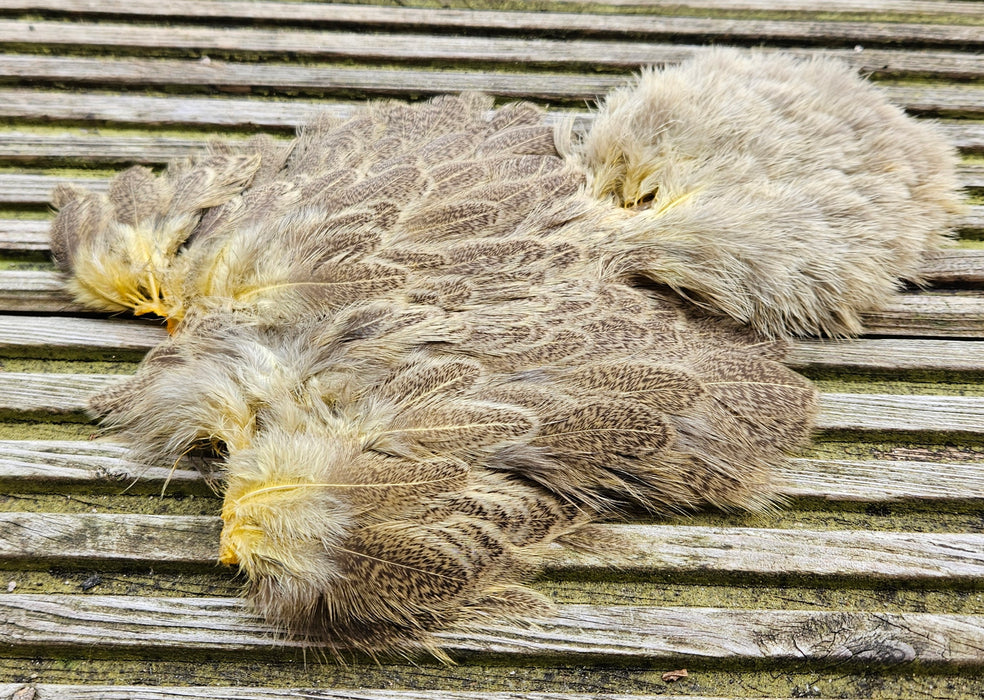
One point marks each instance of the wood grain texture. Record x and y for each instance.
(57, 465)
(314, 12)
(27, 189)
(893, 413)
(68, 393)
(51, 466)
(133, 73)
(78, 336)
(99, 539)
(55, 394)
(46, 691)
(643, 26)
(455, 50)
(921, 315)
(577, 632)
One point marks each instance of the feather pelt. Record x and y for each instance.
(430, 342)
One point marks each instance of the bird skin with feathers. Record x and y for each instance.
(430, 343)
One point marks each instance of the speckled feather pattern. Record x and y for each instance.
(432, 342)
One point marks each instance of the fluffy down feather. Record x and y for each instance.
(425, 345)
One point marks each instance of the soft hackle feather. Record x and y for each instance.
(432, 341)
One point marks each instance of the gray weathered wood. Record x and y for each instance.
(886, 354)
(87, 539)
(46, 691)
(754, 30)
(577, 632)
(79, 334)
(67, 393)
(924, 315)
(568, 87)
(57, 394)
(55, 466)
(456, 50)
(20, 188)
(893, 413)
(315, 12)
(874, 481)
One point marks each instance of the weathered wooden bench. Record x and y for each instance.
(869, 584)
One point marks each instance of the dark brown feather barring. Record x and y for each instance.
(430, 340)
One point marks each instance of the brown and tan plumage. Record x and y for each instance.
(431, 340)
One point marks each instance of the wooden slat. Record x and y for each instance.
(928, 315)
(648, 27)
(27, 189)
(924, 315)
(67, 393)
(578, 632)
(567, 87)
(366, 47)
(893, 413)
(81, 335)
(93, 149)
(55, 466)
(45, 691)
(85, 539)
(60, 465)
(88, 539)
(57, 394)
(948, 267)
(313, 12)
(886, 354)
(874, 481)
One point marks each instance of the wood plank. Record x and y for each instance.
(875, 481)
(123, 624)
(47, 691)
(55, 394)
(456, 50)
(51, 466)
(920, 315)
(61, 394)
(945, 267)
(885, 354)
(643, 26)
(928, 315)
(80, 335)
(894, 413)
(56, 466)
(313, 12)
(29, 189)
(103, 539)
(45, 539)
(960, 99)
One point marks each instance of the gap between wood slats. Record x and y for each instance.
(643, 26)
(61, 394)
(407, 48)
(86, 539)
(567, 87)
(46, 691)
(920, 315)
(120, 624)
(53, 465)
(78, 335)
